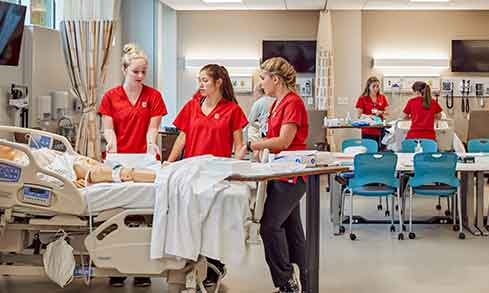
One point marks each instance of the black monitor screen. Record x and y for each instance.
(470, 56)
(301, 54)
(11, 29)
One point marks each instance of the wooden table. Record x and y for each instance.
(312, 214)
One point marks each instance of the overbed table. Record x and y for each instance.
(312, 214)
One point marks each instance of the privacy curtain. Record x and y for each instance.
(86, 46)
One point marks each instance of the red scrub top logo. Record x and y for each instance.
(216, 116)
(144, 104)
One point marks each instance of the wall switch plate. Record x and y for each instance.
(343, 100)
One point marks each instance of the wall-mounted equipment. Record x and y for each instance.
(235, 66)
(465, 88)
(447, 91)
(470, 55)
(19, 101)
(300, 54)
(242, 84)
(304, 87)
(11, 30)
(404, 84)
(479, 93)
(410, 67)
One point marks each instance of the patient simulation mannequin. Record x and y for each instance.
(86, 170)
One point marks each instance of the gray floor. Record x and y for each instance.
(377, 262)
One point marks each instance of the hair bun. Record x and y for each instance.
(128, 48)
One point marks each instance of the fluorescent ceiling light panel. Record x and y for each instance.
(222, 1)
(414, 63)
(428, 1)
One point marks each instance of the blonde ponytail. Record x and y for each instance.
(280, 67)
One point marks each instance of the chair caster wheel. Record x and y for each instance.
(461, 235)
(387, 213)
(353, 236)
(412, 235)
(456, 227)
(447, 213)
(400, 236)
(379, 207)
(393, 229)
(438, 207)
(397, 207)
(342, 229)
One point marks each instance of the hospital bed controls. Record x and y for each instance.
(9, 173)
(36, 195)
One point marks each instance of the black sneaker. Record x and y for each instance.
(213, 275)
(117, 281)
(142, 282)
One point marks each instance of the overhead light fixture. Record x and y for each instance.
(411, 67)
(235, 66)
(221, 1)
(428, 1)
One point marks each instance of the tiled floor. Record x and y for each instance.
(437, 261)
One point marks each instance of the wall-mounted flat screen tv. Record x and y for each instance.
(11, 30)
(470, 55)
(301, 54)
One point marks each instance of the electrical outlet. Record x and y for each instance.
(343, 100)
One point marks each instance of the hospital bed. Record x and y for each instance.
(110, 223)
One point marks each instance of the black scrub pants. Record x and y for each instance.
(282, 232)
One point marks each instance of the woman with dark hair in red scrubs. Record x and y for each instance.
(372, 102)
(423, 110)
(211, 123)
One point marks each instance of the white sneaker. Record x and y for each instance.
(296, 275)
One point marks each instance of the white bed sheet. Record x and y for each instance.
(127, 195)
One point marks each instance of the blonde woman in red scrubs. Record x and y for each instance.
(281, 225)
(131, 116)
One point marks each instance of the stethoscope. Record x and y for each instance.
(479, 92)
(465, 96)
(449, 98)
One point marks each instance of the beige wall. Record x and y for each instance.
(422, 34)
(235, 34)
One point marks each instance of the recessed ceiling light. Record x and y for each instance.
(222, 1)
(427, 1)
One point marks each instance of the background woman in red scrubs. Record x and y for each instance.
(281, 225)
(131, 117)
(211, 123)
(422, 110)
(372, 102)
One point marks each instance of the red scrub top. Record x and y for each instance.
(422, 119)
(131, 122)
(291, 109)
(367, 104)
(211, 134)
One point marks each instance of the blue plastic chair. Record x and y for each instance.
(428, 145)
(478, 145)
(375, 175)
(372, 147)
(435, 175)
